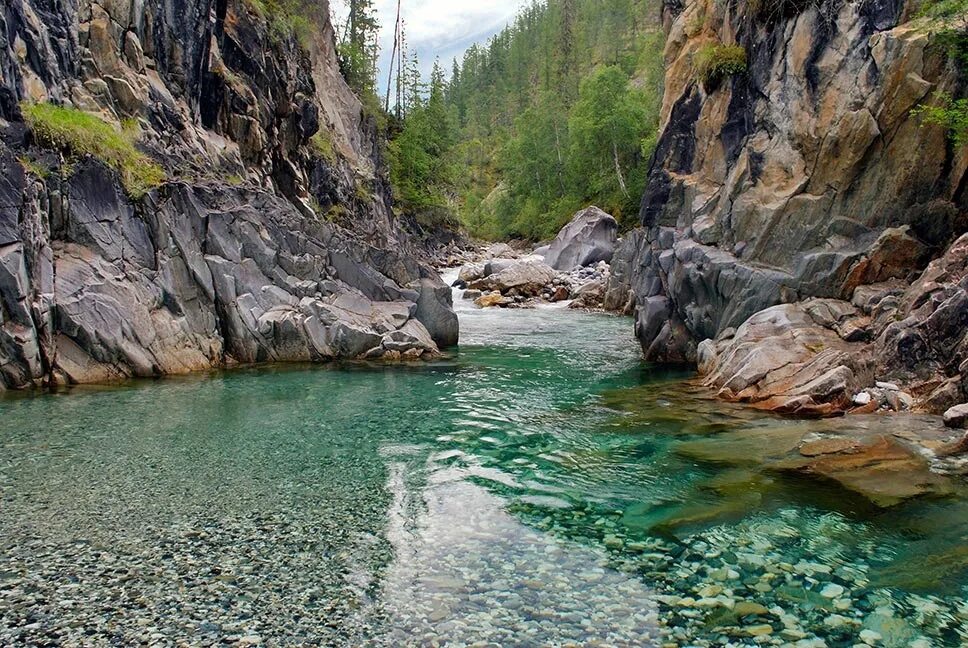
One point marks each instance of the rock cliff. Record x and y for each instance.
(802, 173)
(271, 237)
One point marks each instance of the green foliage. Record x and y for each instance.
(322, 145)
(421, 167)
(949, 113)
(554, 113)
(286, 18)
(359, 48)
(81, 133)
(607, 127)
(948, 21)
(715, 62)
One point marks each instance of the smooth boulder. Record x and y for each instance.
(528, 276)
(435, 310)
(957, 416)
(590, 237)
(790, 359)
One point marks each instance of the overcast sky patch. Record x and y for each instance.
(444, 28)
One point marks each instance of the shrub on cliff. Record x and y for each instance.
(949, 113)
(285, 18)
(80, 133)
(713, 63)
(948, 21)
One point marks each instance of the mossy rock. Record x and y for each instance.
(79, 133)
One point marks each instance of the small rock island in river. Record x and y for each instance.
(642, 323)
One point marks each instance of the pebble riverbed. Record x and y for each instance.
(501, 497)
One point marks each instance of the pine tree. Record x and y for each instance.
(359, 49)
(568, 68)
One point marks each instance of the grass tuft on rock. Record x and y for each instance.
(285, 18)
(79, 133)
(322, 145)
(715, 62)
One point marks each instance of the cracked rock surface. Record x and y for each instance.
(262, 245)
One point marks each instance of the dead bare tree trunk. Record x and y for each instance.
(618, 170)
(393, 54)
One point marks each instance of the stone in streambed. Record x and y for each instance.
(881, 469)
(491, 299)
(957, 416)
(471, 272)
(435, 310)
(759, 630)
(561, 294)
(527, 276)
(827, 446)
(748, 608)
(590, 237)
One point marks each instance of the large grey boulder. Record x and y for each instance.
(528, 276)
(498, 250)
(590, 237)
(435, 311)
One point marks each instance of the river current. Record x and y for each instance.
(541, 486)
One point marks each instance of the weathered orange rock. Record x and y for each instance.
(827, 446)
(788, 359)
(490, 299)
(956, 448)
(883, 470)
(870, 408)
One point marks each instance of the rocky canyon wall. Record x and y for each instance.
(804, 176)
(271, 237)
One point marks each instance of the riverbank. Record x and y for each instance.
(814, 358)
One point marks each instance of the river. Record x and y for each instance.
(539, 487)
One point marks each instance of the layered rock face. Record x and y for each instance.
(272, 238)
(805, 177)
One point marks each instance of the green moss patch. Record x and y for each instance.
(79, 133)
(322, 145)
(715, 62)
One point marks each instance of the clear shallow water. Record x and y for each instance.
(534, 489)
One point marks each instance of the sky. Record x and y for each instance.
(443, 28)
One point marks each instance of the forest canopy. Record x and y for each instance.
(557, 111)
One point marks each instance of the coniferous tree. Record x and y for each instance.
(359, 48)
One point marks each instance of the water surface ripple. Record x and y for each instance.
(528, 490)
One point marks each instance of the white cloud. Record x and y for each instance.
(443, 28)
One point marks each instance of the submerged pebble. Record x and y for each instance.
(504, 497)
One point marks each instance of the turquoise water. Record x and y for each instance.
(532, 489)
